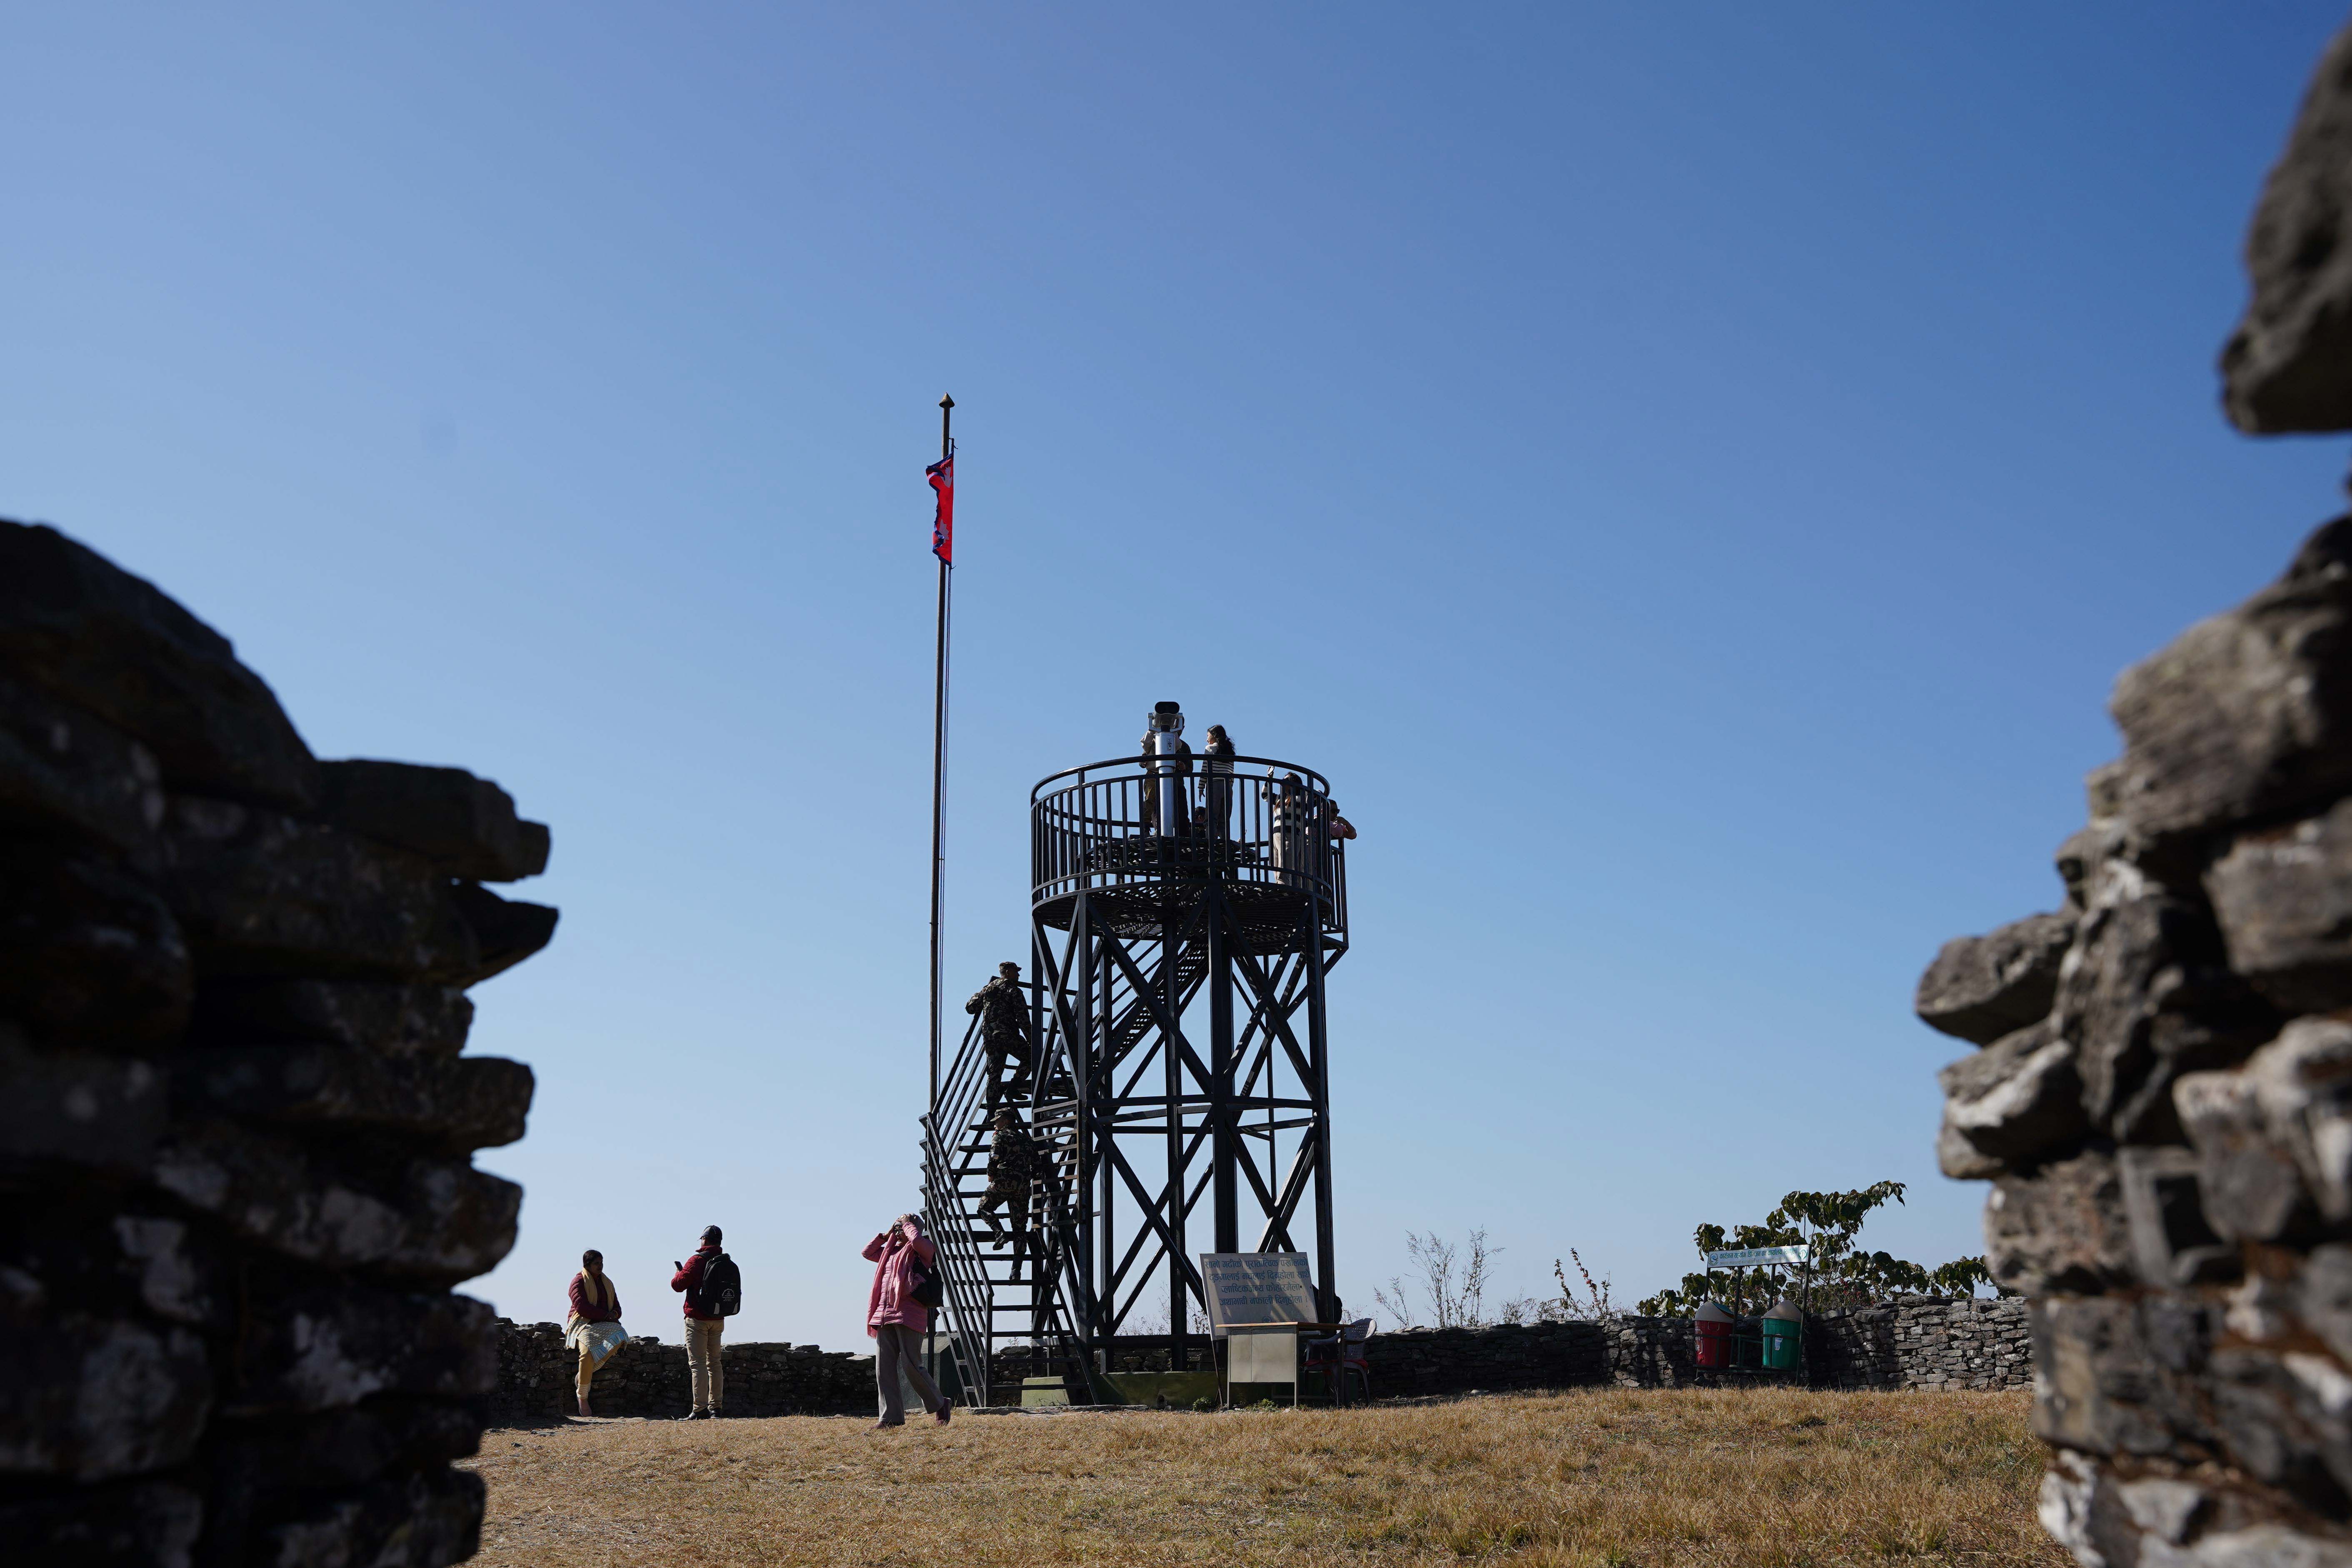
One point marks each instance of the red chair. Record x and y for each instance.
(1336, 1355)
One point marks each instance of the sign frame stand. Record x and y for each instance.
(1741, 1259)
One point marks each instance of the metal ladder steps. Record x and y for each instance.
(980, 1148)
(978, 1234)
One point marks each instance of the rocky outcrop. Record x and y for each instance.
(2284, 369)
(2170, 1143)
(1984, 987)
(236, 1121)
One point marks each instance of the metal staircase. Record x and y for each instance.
(986, 1309)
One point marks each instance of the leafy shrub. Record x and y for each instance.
(1843, 1275)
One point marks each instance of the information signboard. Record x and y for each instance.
(1756, 1257)
(1256, 1287)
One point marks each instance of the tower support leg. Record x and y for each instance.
(1171, 949)
(1225, 1132)
(1319, 1062)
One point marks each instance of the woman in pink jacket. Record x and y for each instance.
(897, 1320)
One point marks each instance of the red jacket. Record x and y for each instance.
(689, 1278)
(593, 1311)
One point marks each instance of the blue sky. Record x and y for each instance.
(1687, 475)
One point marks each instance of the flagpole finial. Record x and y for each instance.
(947, 402)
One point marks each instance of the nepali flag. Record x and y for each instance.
(942, 477)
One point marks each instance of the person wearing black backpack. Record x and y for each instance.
(905, 1290)
(714, 1293)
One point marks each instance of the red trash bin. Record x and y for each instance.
(1711, 1335)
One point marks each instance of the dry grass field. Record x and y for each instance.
(1740, 1479)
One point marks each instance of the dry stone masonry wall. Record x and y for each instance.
(647, 1377)
(1925, 1342)
(1921, 1343)
(2162, 1094)
(237, 1125)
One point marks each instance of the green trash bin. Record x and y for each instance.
(1784, 1328)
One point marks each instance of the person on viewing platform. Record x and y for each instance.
(903, 1259)
(701, 1277)
(1338, 827)
(1219, 750)
(592, 1326)
(1287, 804)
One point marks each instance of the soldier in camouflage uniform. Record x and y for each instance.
(1016, 1160)
(1004, 1025)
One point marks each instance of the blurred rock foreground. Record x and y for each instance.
(236, 1124)
(2163, 1095)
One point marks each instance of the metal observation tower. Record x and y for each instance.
(1184, 912)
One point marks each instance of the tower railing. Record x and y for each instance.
(1261, 827)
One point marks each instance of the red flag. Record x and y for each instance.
(942, 477)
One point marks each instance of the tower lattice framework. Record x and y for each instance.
(1184, 916)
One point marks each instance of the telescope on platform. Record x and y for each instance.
(1167, 732)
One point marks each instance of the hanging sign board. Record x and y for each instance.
(1756, 1257)
(1256, 1287)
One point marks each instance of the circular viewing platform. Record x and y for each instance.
(1142, 839)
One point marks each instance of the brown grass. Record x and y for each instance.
(1740, 1480)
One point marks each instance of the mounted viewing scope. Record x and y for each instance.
(1167, 724)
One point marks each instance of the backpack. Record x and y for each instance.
(926, 1292)
(720, 1291)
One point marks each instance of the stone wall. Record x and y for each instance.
(1920, 1342)
(1455, 1361)
(2163, 1099)
(235, 1124)
(646, 1377)
(1916, 1342)
(1923, 1343)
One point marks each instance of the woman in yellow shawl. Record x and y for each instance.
(593, 1325)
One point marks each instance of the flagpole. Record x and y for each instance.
(938, 777)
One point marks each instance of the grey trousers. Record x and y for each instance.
(895, 1345)
(702, 1365)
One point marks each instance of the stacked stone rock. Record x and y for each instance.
(1912, 1342)
(1923, 1342)
(645, 1377)
(2164, 1097)
(236, 1126)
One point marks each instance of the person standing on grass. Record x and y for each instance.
(897, 1320)
(704, 1321)
(594, 1304)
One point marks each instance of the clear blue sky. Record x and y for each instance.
(1688, 475)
